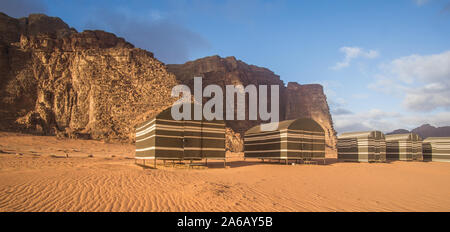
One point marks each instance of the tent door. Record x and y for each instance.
(184, 139)
(192, 140)
(301, 148)
(306, 147)
(310, 147)
(377, 150)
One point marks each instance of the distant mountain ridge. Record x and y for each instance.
(426, 131)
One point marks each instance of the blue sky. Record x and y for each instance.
(384, 64)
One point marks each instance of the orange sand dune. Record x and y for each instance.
(35, 175)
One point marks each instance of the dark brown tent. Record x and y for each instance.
(163, 138)
(405, 147)
(436, 149)
(366, 146)
(300, 139)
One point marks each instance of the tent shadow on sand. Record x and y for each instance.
(246, 163)
(373, 163)
(145, 166)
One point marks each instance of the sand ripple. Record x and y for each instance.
(39, 180)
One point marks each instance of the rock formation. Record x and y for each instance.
(55, 80)
(228, 71)
(309, 101)
(295, 100)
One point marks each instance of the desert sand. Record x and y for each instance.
(46, 174)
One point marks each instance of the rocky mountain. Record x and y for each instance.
(295, 100)
(309, 101)
(228, 71)
(54, 80)
(426, 131)
(399, 131)
(57, 81)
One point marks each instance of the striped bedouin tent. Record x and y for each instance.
(367, 146)
(405, 147)
(300, 140)
(163, 138)
(436, 149)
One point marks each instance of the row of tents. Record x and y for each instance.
(374, 146)
(163, 138)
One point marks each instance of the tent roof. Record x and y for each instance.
(306, 124)
(408, 137)
(362, 134)
(437, 139)
(167, 114)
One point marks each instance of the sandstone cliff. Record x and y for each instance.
(57, 81)
(295, 100)
(309, 101)
(228, 71)
(54, 80)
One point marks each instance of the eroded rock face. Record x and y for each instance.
(90, 83)
(229, 71)
(296, 100)
(11, 28)
(54, 80)
(309, 101)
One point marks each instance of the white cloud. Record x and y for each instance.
(340, 111)
(423, 81)
(437, 119)
(352, 53)
(387, 85)
(422, 68)
(374, 119)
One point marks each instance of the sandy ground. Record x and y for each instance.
(36, 175)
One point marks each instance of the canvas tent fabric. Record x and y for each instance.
(436, 149)
(164, 138)
(366, 146)
(405, 147)
(297, 139)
